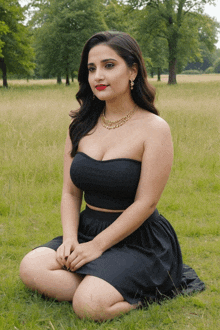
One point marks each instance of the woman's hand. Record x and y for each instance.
(82, 254)
(64, 251)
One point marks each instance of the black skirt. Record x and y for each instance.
(145, 266)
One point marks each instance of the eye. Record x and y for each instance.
(91, 69)
(109, 65)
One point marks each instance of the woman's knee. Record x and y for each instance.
(86, 306)
(26, 270)
(93, 299)
(33, 262)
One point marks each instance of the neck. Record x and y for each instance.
(116, 109)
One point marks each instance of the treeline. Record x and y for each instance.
(171, 34)
(210, 63)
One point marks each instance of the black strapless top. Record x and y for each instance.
(108, 184)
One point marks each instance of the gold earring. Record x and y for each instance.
(131, 84)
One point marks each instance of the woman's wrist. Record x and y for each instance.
(99, 243)
(73, 241)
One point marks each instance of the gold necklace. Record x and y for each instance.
(115, 124)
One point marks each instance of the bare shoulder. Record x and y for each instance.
(157, 140)
(153, 126)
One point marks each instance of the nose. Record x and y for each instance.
(99, 74)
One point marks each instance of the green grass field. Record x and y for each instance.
(33, 125)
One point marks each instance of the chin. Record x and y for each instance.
(108, 97)
(100, 96)
(104, 97)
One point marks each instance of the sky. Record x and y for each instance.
(211, 10)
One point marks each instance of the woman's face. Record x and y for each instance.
(109, 74)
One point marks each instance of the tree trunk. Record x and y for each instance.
(67, 80)
(152, 73)
(173, 37)
(158, 74)
(172, 44)
(4, 72)
(59, 80)
(67, 71)
(172, 72)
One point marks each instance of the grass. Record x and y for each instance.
(33, 126)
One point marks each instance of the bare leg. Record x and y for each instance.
(39, 270)
(99, 300)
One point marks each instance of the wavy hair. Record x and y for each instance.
(143, 94)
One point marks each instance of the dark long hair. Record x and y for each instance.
(143, 94)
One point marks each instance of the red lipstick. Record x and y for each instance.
(100, 87)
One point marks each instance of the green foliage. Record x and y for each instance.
(115, 16)
(188, 43)
(217, 53)
(4, 29)
(61, 28)
(207, 30)
(152, 43)
(170, 33)
(209, 70)
(191, 72)
(16, 54)
(60, 34)
(206, 61)
(217, 66)
(183, 27)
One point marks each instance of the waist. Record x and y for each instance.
(116, 213)
(93, 222)
(103, 210)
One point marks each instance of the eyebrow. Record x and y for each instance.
(103, 61)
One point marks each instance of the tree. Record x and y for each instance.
(16, 54)
(116, 16)
(61, 28)
(182, 25)
(158, 54)
(153, 46)
(3, 31)
(217, 66)
(207, 60)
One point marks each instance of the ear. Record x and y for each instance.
(133, 71)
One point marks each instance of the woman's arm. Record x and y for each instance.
(70, 209)
(156, 165)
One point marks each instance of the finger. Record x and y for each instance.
(59, 260)
(61, 255)
(78, 265)
(71, 258)
(75, 262)
(67, 251)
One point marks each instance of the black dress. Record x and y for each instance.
(145, 265)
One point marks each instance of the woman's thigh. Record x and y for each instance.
(42, 257)
(96, 290)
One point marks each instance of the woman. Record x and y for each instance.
(119, 251)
